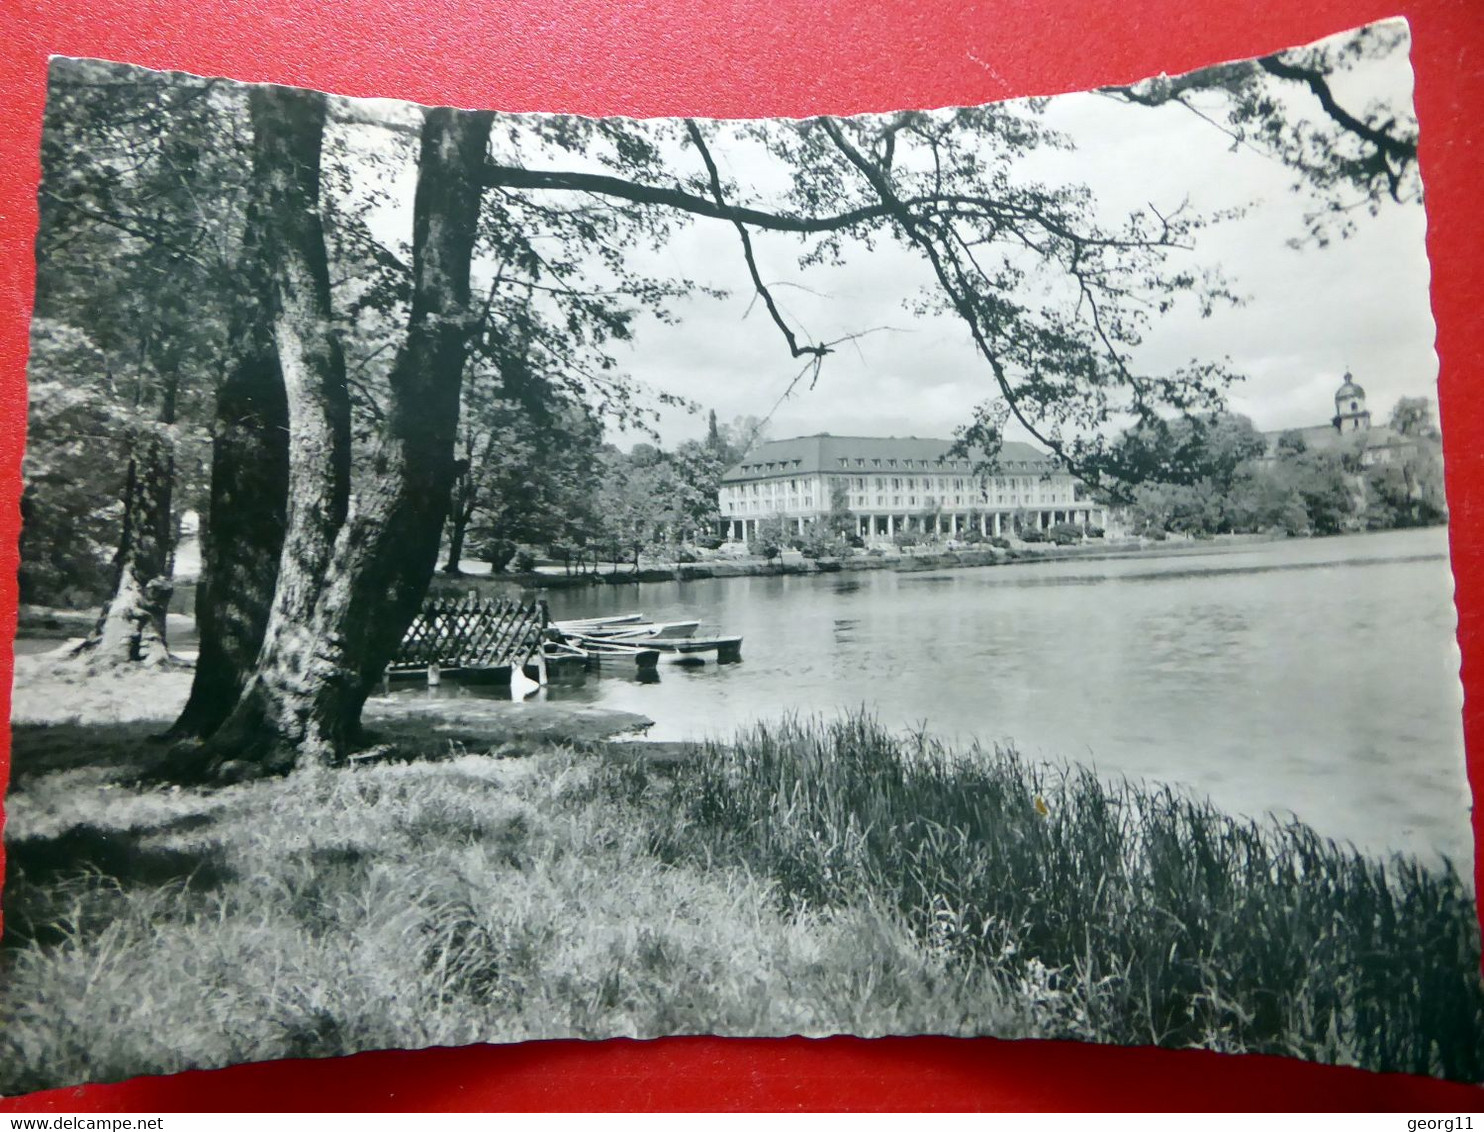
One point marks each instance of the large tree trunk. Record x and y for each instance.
(242, 536)
(392, 547)
(350, 581)
(132, 625)
(288, 131)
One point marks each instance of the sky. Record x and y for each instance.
(1308, 315)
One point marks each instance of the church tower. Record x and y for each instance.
(1351, 415)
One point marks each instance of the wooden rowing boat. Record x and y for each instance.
(587, 624)
(563, 657)
(642, 631)
(619, 652)
(724, 647)
(700, 644)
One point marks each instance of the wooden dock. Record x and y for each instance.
(475, 635)
(488, 640)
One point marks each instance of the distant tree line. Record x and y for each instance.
(1218, 477)
(538, 483)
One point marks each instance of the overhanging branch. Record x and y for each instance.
(1394, 151)
(798, 351)
(910, 224)
(514, 177)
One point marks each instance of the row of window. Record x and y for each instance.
(925, 465)
(772, 466)
(942, 483)
(775, 466)
(899, 483)
(881, 502)
(858, 501)
(755, 506)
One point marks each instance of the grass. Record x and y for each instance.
(422, 903)
(1125, 914)
(807, 878)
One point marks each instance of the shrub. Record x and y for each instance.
(1094, 532)
(763, 548)
(1065, 534)
(1033, 536)
(686, 556)
(498, 553)
(999, 543)
(708, 542)
(525, 561)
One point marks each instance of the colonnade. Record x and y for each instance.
(989, 524)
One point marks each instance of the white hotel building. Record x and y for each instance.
(903, 484)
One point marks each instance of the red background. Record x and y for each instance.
(751, 57)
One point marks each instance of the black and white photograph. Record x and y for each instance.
(489, 577)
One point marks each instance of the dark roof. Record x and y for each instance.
(804, 455)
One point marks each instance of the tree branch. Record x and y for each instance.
(757, 279)
(1403, 149)
(513, 177)
(1390, 148)
(1395, 151)
(902, 214)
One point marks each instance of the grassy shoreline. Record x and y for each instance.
(793, 564)
(806, 878)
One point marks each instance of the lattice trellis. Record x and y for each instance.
(472, 633)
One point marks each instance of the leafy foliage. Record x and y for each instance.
(1348, 158)
(141, 182)
(71, 504)
(1217, 479)
(1056, 302)
(528, 459)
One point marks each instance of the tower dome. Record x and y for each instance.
(1351, 415)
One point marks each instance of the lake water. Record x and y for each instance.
(1314, 677)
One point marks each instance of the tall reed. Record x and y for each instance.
(1125, 913)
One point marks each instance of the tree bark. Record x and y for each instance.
(352, 576)
(458, 528)
(243, 530)
(131, 627)
(383, 573)
(461, 512)
(273, 717)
